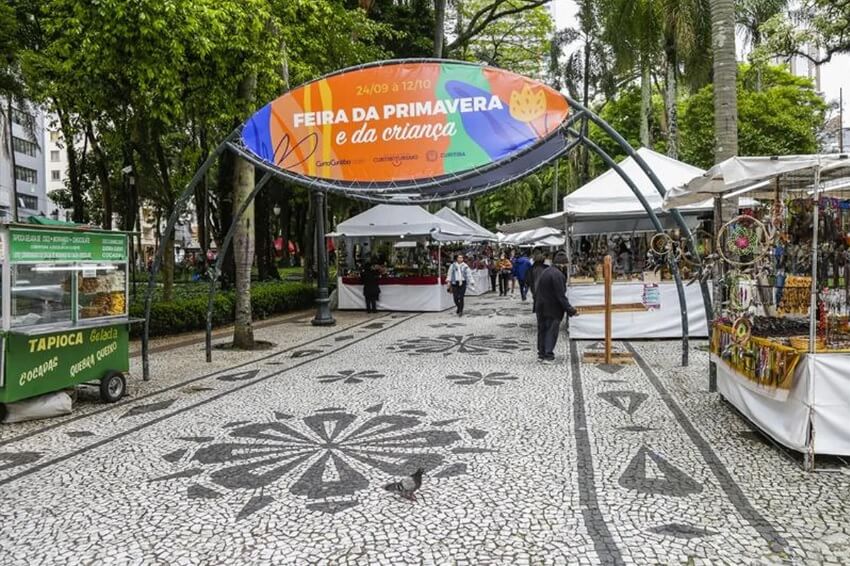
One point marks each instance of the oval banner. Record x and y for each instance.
(404, 123)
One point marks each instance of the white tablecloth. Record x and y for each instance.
(482, 283)
(417, 298)
(820, 395)
(665, 322)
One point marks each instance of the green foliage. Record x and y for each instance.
(518, 42)
(782, 118)
(623, 113)
(188, 311)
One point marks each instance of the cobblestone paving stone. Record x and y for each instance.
(278, 457)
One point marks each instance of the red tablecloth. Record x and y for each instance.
(424, 280)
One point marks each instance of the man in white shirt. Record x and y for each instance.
(458, 277)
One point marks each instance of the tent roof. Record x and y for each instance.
(394, 220)
(608, 194)
(746, 175)
(471, 230)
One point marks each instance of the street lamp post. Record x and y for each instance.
(323, 312)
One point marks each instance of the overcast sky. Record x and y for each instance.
(834, 75)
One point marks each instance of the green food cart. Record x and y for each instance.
(64, 310)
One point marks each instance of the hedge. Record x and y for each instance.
(190, 313)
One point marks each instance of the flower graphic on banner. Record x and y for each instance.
(322, 457)
(476, 345)
(528, 105)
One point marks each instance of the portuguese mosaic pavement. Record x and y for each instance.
(278, 457)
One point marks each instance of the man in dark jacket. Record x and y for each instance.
(550, 304)
(534, 275)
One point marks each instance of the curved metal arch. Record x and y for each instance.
(680, 290)
(582, 112)
(179, 205)
(677, 217)
(219, 260)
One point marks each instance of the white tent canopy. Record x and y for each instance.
(740, 175)
(529, 236)
(608, 194)
(469, 230)
(394, 221)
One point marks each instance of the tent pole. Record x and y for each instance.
(809, 462)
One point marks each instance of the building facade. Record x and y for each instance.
(22, 167)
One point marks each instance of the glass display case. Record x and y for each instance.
(64, 310)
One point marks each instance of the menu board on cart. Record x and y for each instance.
(54, 246)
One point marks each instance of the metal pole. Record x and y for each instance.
(169, 229)
(219, 260)
(323, 312)
(809, 462)
(840, 120)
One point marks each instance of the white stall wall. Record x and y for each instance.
(665, 322)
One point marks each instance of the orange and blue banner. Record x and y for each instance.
(404, 122)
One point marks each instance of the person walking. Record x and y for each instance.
(533, 277)
(522, 265)
(458, 277)
(371, 291)
(550, 306)
(492, 265)
(504, 267)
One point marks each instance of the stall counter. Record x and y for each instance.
(819, 398)
(663, 322)
(417, 294)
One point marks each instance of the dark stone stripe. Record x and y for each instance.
(124, 404)
(603, 543)
(733, 491)
(47, 463)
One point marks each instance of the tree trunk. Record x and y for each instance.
(74, 164)
(224, 189)
(168, 268)
(645, 102)
(672, 110)
(102, 174)
(439, 27)
(266, 270)
(725, 73)
(243, 236)
(243, 252)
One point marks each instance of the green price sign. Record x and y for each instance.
(50, 245)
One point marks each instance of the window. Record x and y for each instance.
(22, 118)
(24, 146)
(40, 294)
(26, 174)
(55, 137)
(54, 155)
(56, 175)
(27, 201)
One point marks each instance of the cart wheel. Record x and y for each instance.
(112, 387)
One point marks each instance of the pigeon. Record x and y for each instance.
(408, 486)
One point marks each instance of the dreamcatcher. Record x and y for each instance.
(743, 241)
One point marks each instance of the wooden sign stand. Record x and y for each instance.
(607, 356)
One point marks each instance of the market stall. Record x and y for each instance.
(64, 310)
(781, 344)
(604, 217)
(477, 248)
(399, 240)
